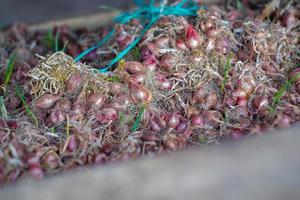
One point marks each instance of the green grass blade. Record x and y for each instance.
(239, 5)
(226, 73)
(137, 122)
(50, 39)
(26, 106)
(113, 79)
(3, 108)
(10, 68)
(136, 53)
(57, 40)
(65, 46)
(121, 118)
(280, 93)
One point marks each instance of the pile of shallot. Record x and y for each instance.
(190, 82)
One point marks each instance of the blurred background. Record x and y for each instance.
(31, 11)
(40, 10)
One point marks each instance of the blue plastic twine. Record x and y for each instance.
(147, 12)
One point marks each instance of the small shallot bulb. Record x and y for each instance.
(187, 133)
(193, 38)
(51, 161)
(46, 101)
(212, 117)
(248, 84)
(210, 45)
(164, 21)
(202, 26)
(242, 54)
(236, 134)
(72, 143)
(284, 121)
(182, 23)
(123, 40)
(153, 49)
(35, 160)
(170, 142)
(64, 104)
(209, 23)
(79, 109)
(163, 42)
(242, 101)
(211, 101)
(120, 102)
(245, 123)
(198, 95)
(139, 94)
(181, 45)
(150, 63)
(107, 115)
(96, 99)
(181, 127)
(154, 126)
(116, 88)
(150, 137)
(213, 12)
(100, 158)
(241, 96)
(2, 175)
(36, 172)
(168, 61)
(233, 15)
(295, 74)
(269, 68)
(13, 175)
(75, 81)
(212, 33)
(229, 100)
(134, 67)
(288, 19)
(146, 52)
(2, 135)
(165, 85)
(57, 116)
(160, 77)
(173, 120)
(18, 147)
(163, 82)
(139, 78)
(259, 102)
(223, 45)
(163, 124)
(197, 120)
(298, 88)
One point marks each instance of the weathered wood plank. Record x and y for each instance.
(265, 167)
